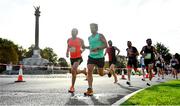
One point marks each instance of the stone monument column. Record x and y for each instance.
(36, 57)
(36, 51)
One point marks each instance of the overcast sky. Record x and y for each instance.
(118, 20)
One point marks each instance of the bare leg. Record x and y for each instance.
(102, 72)
(150, 71)
(129, 74)
(112, 68)
(74, 72)
(89, 75)
(82, 71)
(143, 71)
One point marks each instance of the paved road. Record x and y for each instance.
(52, 90)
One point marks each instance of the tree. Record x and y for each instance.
(62, 62)
(8, 52)
(121, 61)
(29, 53)
(21, 53)
(49, 54)
(164, 51)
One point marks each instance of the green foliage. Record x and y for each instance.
(163, 94)
(62, 62)
(8, 52)
(29, 53)
(121, 61)
(49, 54)
(164, 51)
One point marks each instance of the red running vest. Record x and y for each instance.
(74, 47)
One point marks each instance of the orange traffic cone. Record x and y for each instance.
(122, 75)
(147, 75)
(20, 76)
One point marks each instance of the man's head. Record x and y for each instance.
(94, 28)
(149, 42)
(129, 44)
(74, 32)
(110, 43)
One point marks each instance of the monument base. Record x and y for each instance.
(35, 59)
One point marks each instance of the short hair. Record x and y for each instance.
(109, 41)
(94, 24)
(75, 29)
(149, 39)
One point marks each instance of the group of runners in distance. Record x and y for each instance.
(97, 45)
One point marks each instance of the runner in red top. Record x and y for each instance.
(75, 48)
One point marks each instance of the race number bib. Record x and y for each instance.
(72, 49)
(148, 56)
(157, 62)
(173, 64)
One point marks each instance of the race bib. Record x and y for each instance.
(72, 49)
(148, 56)
(173, 64)
(157, 62)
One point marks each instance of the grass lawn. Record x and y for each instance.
(167, 93)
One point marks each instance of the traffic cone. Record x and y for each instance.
(122, 75)
(20, 76)
(147, 75)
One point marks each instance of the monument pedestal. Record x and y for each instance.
(36, 53)
(35, 59)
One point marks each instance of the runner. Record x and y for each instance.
(148, 53)
(111, 50)
(174, 64)
(162, 66)
(158, 65)
(132, 54)
(143, 68)
(74, 47)
(97, 44)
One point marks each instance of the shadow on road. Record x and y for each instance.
(131, 88)
(115, 99)
(75, 102)
(96, 101)
(7, 84)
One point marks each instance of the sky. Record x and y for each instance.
(118, 20)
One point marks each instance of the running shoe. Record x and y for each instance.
(143, 79)
(71, 90)
(109, 74)
(128, 83)
(148, 84)
(89, 92)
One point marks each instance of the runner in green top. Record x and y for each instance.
(97, 44)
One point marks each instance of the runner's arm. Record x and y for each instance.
(83, 46)
(105, 52)
(137, 53)
(127, 52)
(155, 51)
(103, 39)
(142, 52)
(67, 51)
(177, 61)
(117, 50)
